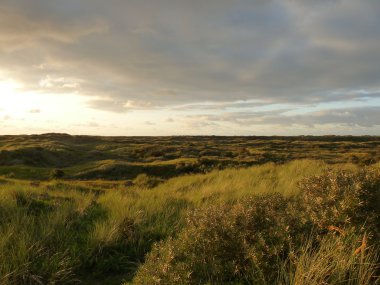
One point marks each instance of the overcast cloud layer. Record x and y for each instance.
(201, 65)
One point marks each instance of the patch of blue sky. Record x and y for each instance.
(300, 110)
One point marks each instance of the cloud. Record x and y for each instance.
(59, 83)
(201, 122)
(90, 124)
(198, 56)
(107, 105)
(360, 116)
(25, 24)
(222, 105)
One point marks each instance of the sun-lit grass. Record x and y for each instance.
(333, 262)
(118, 158)
(58, 231)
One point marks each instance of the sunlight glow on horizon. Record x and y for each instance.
(25, 112)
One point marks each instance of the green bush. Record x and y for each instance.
(145, 181)
(224, 243)
(341, 198)
(250, 241)
(57, 174)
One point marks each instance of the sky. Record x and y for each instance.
(199, 67)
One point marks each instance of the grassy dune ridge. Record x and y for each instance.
(116, 158)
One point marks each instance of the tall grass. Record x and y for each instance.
(335, 261)
(61, 232)
(42, 234)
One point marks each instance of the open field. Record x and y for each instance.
(122, 158)
(189, 210)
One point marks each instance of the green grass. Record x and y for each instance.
(332, 262)
(117, 158)
(125, 205)
(99, 232)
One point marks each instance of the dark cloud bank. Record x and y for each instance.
(128, 55)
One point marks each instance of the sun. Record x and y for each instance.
(39, 106)
(9, 87)
(10, 96)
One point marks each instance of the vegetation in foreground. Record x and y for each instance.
(303, 222)
(189, 210)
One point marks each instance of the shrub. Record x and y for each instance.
(145, 181)
(339, 199)
(250, 241)
(10, 175)
(57, 174)
(223, 244)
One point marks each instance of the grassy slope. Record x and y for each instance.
(100, 230)
(106, 228)
(85, 157)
